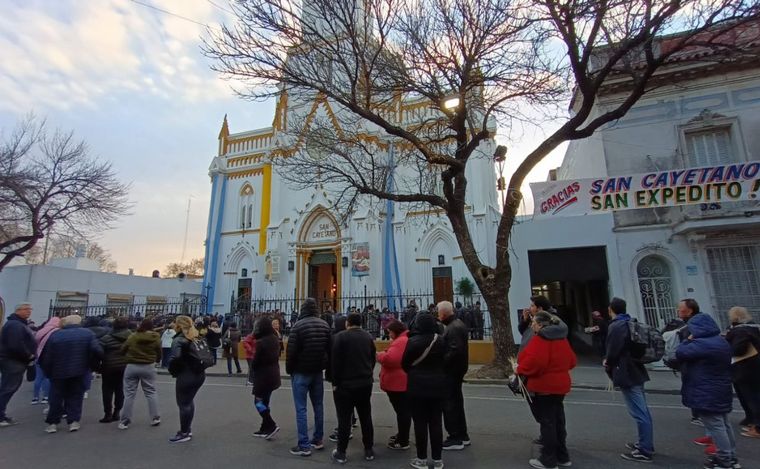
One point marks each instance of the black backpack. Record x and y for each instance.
(199, 354)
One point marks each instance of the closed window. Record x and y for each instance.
(656, 290)
(735, 278)
(710, 147)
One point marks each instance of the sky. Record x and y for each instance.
(131, 81)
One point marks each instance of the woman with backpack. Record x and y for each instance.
(231, 345)
(266, 374)
(426, 388)
(189, 373)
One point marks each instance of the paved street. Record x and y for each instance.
(501, 428)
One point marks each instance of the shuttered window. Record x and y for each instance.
(735, 278)
(710, 147)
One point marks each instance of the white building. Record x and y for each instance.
(75, 285)
(702, 115)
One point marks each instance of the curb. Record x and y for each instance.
(474, 382)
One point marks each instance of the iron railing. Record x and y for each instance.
(193, 307)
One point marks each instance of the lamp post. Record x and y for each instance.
(499, 157)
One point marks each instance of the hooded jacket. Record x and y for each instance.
(69, 353)
(547, 360)
(308, 343)
(624, 371)
(113, 356)
(705, 367)
(427, 378)
(392, 377)
(142, 348)
(43, 334)
(527, 332)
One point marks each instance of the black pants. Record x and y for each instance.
(453, 410)
(549, 412)
(261, 402)
(400, 403)
(229, 364)
(346, 400)
(749, 398)
(187, 386)
(11, 377)
(66, 397)
(427, 413)
(113, 391)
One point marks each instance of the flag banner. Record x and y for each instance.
(674, 187)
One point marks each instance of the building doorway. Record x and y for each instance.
(323, 276)
(443, 286)
(244, 292)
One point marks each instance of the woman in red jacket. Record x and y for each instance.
(546, 363)
(393, 381)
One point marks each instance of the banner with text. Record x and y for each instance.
(714, 184)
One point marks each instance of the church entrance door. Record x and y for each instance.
(323, 269)
(443, 288)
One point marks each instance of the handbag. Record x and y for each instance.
(31, 372)
(227, 341)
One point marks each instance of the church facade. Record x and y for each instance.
(267, 239)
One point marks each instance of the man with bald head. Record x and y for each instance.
(456, 361)
(17, 350)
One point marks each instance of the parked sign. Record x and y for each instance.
(714, 184)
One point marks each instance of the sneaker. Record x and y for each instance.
(298, 451)
(713, 463)
(539, 465)
(565, 464)
(398, 445)
(466, 441)
(106, 419)
(635, 446)
(44, 400)
(453, 445)
(751, 433)
(339, 457)
(711, 450)
(7, 422)
(124, 424)
(418, 463)
(334, 436)
(74, 426)
(155, 422)
(437, 464)
(697, 422)
(181, 437)
(636, 455)
(260, 434)
(52, 428)
(735, 464)
(317, 444)
(272, 433)
(35, 401)
(86, 395)
(369, 454)
(703, 441)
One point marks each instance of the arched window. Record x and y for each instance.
(246, 206)
(656, 289)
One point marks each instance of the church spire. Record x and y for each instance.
(224, 132)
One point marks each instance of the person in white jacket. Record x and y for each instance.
(166, 345)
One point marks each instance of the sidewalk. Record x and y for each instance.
(585, 376)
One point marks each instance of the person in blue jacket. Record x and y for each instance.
(705, 359)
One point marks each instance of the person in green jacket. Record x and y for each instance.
(142, 351)
(112, 369)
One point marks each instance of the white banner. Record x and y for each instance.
(714, 184)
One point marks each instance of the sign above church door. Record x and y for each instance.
(322, 230)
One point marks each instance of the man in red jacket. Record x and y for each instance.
(546, 362)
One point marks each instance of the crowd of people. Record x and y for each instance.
(421, 371)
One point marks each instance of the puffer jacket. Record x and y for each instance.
(143, 348)
(455, 337)
(308, 343)
(113, 356)
(705, 367)
(547, 361)
(426, 379)
(70, 352)
(527, 332)
(392, 377)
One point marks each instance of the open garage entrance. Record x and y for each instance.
(576, 282)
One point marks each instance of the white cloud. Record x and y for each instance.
(76, 53)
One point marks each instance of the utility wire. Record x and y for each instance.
(152, 7)
(221, 7)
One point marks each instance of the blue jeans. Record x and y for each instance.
(312, 385)
(719, 429)
(636, 400)
(41, 383)
(66, 396)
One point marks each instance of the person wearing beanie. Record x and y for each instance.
(142, 351)
(112, 369)
(306, 358)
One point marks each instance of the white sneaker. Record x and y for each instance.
(437, 464)
(52, 428)
(418, 463)
(74, 426)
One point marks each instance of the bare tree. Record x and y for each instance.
(66, 245)
(193, 268)
(502, 61)
(49, 180)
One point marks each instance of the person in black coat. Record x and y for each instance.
(423, 361)
(744, 337)
(456, 361)
(266, 374)
(17, 350)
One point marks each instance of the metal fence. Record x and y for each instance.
(172, 307)
(376, 309)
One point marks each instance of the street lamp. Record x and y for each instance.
(499, 157)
